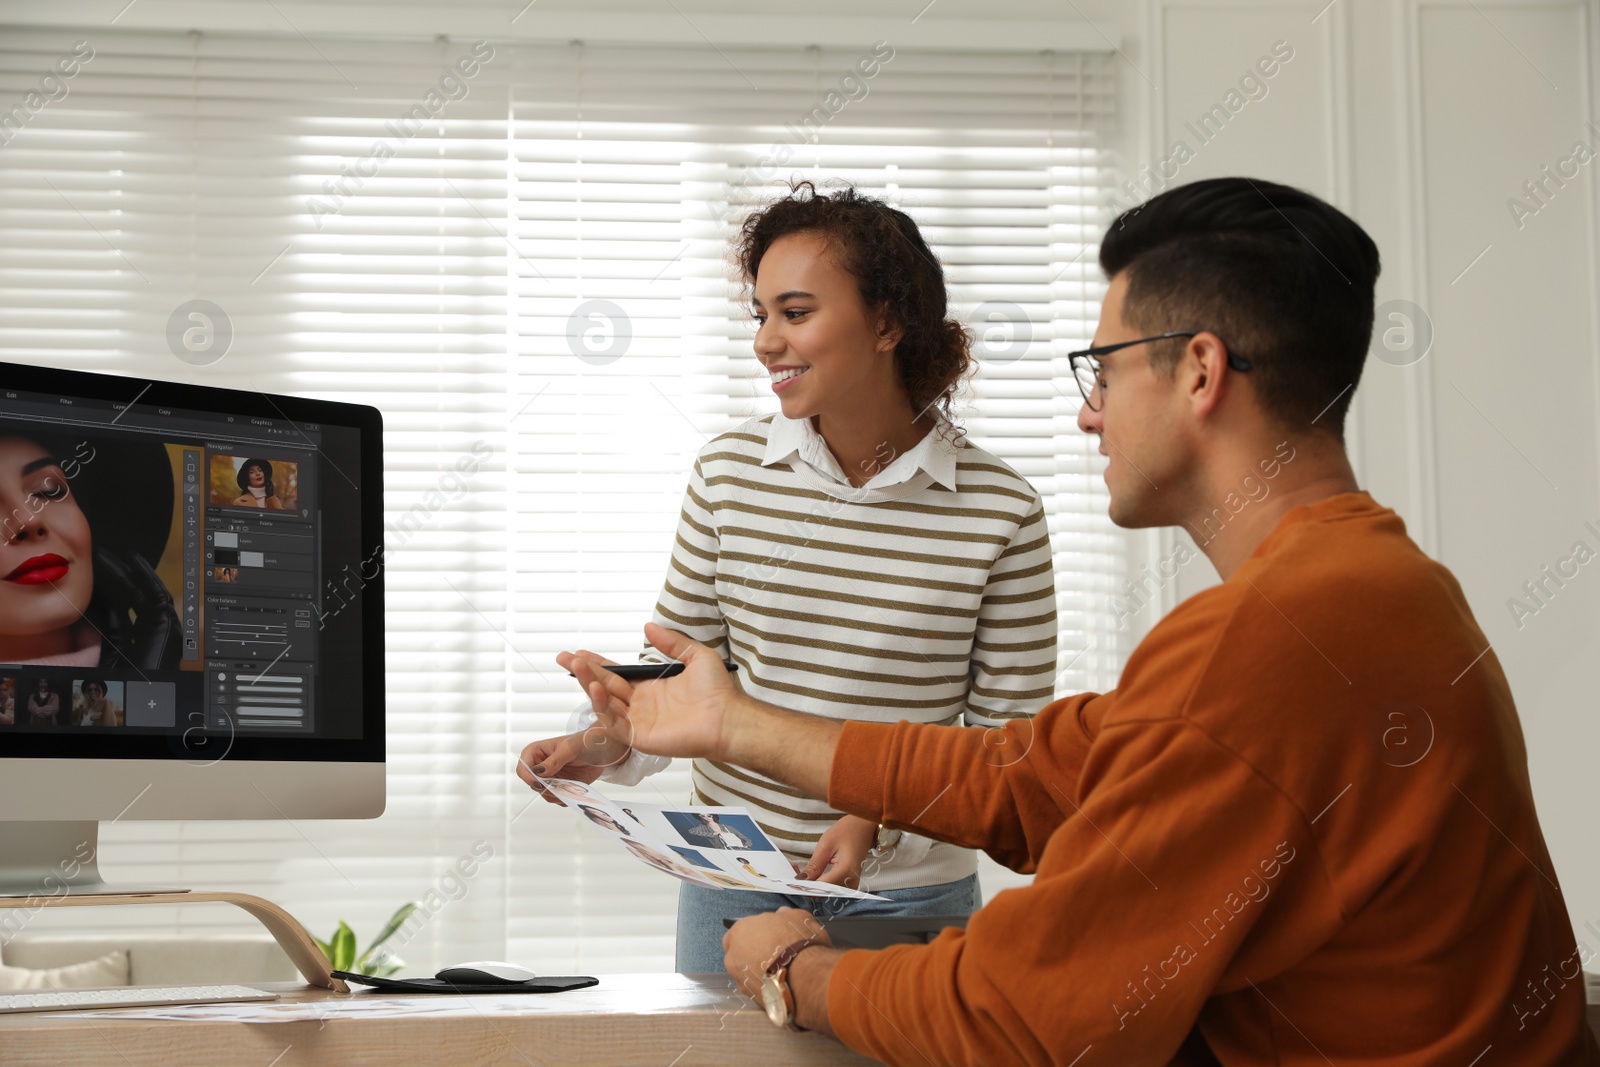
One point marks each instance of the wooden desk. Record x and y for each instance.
(649, 1020)
(652, 1020)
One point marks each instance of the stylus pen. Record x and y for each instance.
(642, 672)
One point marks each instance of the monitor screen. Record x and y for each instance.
(187, 572)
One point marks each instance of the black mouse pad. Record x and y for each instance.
(542, 984)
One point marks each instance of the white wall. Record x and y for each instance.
(1421, 119)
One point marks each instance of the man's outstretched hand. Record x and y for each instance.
(690, 714)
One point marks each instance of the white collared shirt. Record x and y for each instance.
(797, 440)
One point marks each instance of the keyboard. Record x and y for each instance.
(128, 997)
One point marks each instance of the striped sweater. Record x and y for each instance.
(923, 601)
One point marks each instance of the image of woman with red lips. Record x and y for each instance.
(68, 598)
(255, 483)
(46, 562)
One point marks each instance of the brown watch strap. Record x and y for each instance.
(786, 957)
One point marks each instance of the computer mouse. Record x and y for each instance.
(485, 972)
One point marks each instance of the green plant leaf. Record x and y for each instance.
(327, 949)
(397, 920)
(401, 914)
(344, 947)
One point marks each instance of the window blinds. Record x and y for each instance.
(520, 253)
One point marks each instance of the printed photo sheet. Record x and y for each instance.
(721, 848)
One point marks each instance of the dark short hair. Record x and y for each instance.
(882, 249)
(1285, 279)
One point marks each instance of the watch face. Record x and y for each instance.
(772, 1000)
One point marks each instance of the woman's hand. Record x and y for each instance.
(580, 756)
(841, 852)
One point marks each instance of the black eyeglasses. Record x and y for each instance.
(1085, 363)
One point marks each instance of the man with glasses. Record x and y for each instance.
(1299, 831)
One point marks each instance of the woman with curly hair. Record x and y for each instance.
(854, 554)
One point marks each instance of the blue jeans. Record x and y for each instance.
(701, 911)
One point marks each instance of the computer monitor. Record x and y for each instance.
(191, 612)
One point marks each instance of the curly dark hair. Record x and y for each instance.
(882, 249)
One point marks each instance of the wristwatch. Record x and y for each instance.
(887, 839)
(776, 996)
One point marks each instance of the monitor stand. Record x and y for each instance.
(46, 859)
(52, 865)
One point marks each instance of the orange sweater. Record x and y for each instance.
(1302, 823)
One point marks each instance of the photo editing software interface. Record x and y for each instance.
(160, 570)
